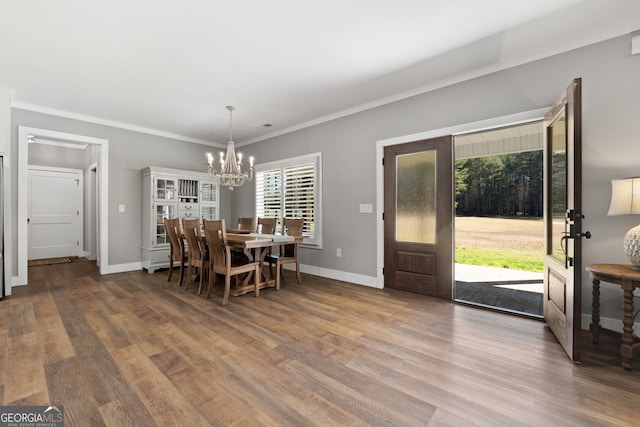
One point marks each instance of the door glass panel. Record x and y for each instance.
(416, 197)
(558, 194)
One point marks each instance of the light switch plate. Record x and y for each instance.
(121, 208)
(366, 208)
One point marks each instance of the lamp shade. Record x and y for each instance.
(625, 196)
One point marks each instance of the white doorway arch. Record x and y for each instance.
(25, 134)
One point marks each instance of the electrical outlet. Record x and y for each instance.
(338, 252)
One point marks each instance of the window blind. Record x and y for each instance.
(291, 189)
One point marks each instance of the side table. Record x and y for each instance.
(628, 279)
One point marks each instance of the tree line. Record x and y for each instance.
(507, 184)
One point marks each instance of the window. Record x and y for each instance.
(292, 188)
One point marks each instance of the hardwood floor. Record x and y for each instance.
(131, 349)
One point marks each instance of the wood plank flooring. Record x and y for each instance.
(131, 349)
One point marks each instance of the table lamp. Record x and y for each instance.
(625, 200)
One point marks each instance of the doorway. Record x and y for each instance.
(499, 228)
(99, 153)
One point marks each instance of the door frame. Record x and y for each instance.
(79, 173)
(459, 129)
(26, 133)
(93, 214)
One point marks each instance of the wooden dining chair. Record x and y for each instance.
(221, 261)
(245, 224)
(178, 252)
(197, 255)
(266, 225)
(190, 223)
(288, 252)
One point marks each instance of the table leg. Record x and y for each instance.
(626, 349)
(595, 311)
(258, 254)
(250, 255)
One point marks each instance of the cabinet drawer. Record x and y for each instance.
(188, 207)
(160, 256)
(187, 214)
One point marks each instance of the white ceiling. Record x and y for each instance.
(171, 67)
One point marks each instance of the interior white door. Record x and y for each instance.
(54, 225)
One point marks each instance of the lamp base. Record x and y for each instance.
(632, 246)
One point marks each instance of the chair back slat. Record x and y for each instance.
(245, 223)
(190, 223)
(293, 226)
(266, 225)
(191, 235)
(171, 228)
(216, 237)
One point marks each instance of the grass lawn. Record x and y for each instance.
(515, 243)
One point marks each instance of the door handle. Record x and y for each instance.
(586, 234)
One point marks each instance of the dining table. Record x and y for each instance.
(256, 246)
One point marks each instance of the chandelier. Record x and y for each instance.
(230, 174)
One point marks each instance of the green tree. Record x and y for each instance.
(507, 184)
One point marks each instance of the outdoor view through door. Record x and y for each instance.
(499, 231)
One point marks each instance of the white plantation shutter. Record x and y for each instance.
(299, 195)
(292, 188)
(269, 194)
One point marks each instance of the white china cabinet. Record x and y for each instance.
(170, 193)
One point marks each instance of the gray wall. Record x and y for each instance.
(611, 129)
(611, 94)
(61, 157)
(129, 152)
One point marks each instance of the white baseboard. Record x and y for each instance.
(358, 279)
(607, 323)
(122, 268)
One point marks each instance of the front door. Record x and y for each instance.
(54, 226)
(418, 205)
(563, 219)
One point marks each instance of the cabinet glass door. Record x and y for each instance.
(208, 212)
(208, 191)
(162, 212)
(165, 189)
